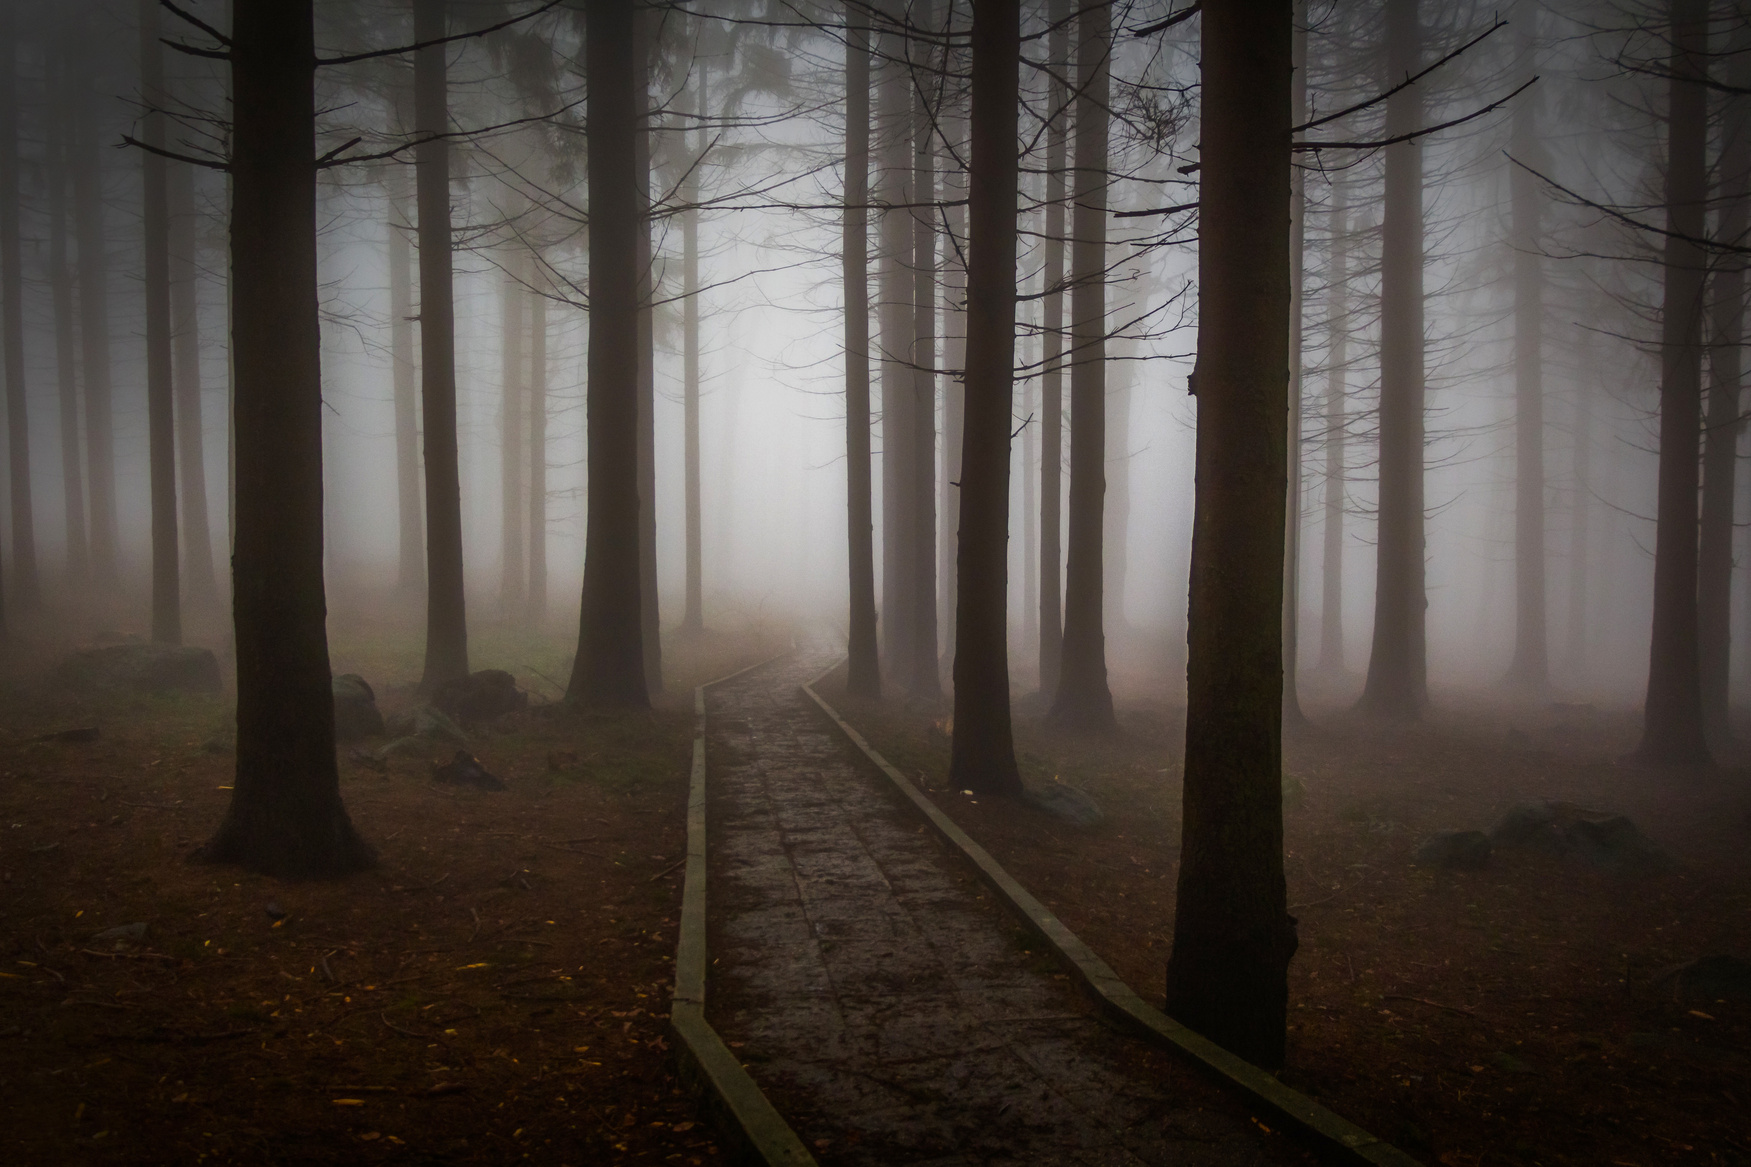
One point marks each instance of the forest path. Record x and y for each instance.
(883, 1000)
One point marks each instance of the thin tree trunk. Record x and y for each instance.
(649, 612)
(1531, 665)
(863, 670)
(1397, 685)
(536, 613)
(693, 617)
(446, 602)
(1297, 268)
(185, 325)
(1083, 701)
(286, 818)
(1117, 519)
(1233, 936)
(926, 676)
(1672, 732)
(982, 754)
(66, 338)
(94, 333)
(25, 588)
(1579, 550)
(1331, 591)
(954, 361)
(893, 179)
(513, 436)
(1720, 454)
(1051, 359)
(411, 542)
(608, 670)
(160, 364)
(1030, 516)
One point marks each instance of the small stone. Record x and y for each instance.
(275, 912)
(465, 770)
(480, 696)
(1454, 850)
(1066, 802)
(355, 709)
(131, 933)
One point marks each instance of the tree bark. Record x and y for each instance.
(693, 614)
(1530, 669)
(1397, 684)
(1297, 268)
(649, 611)
(536, 613)
(954, 362)
(1331, 591)
(1051, 359)
(893, 189)
(100, 454)
(160, 365)
(66, 339)
(608, 670)
(26, 591)
(1672, 732)
(199, 580)
(411, 533)
(513, 436)
(863, 670)
(1115, 545)
(982, 753)
(286, 818)
(926, 676)
(446, 602)
(1233, 936)
(1083, 701)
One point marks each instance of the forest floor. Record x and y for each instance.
(1518, 1014)
(495, 991)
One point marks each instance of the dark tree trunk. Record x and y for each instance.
(1233, 935)
(66, 338)
(1331, 591)
(1051, 360)
(185, 324)
(446, 602)
(608, 671)
(1083, 700)
(100, 454)
(537, 608)
(863, 670)
(25, 588)
(954, 360)
(1117, 519)
(513, 438)
(1297, 266)
(1398, 679)
(286, 818)
(893, 178)
(650, 615)
(1530, 669)
(693, 615)
(411, 573)
(982, 754)
(926, 677)
(160, 365)
(1581, 489)
(1672, 732)
(1720, 453)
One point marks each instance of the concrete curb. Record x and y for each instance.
(1326, 1133)
(732, 1101)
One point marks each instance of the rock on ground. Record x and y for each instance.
(146, 668)
(355, 709)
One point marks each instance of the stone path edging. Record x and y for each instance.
(1326, 1132)
(732, 1099)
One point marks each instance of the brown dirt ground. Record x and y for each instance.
(495, 991)
(1513, 1015)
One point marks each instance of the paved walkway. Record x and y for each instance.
(883, 1001)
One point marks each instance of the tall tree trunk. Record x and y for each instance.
(1398, 681)
(649, 612)
(1720, 453)
(863, 670)
(66, 338)
(1030, 515)
(1051, 359)
(1117, 519)
(25, 588)
(536, 613)
(608, 670)
(160, 365)
(1672, 732)
(1083, 701)
(410, 575)
(100, 454)
(286, 818)
(1331, 590)
(513, 436)
(893, 189)
(982, 754)
(1233, 936)
(446, 602)
(954, 361)
(1579, 549)
(693, 615)
(1531, 665)
(185, 325)
(926, 677)
(1297, 268)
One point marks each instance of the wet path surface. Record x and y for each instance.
(887, 1006)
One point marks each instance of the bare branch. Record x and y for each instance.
(191, 159)
(353, 58)
(1414, 134)
(1183, 14)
